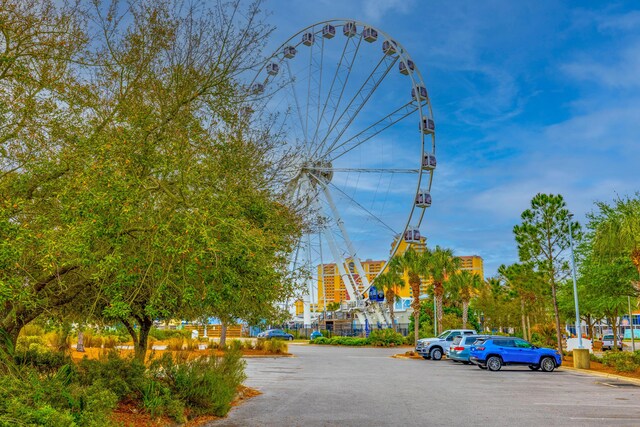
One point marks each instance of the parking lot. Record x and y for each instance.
(327, 385)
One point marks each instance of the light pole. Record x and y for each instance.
(575, 285)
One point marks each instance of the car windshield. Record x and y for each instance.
(444, 335)
(607, 337)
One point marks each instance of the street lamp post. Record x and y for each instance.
(575, 285)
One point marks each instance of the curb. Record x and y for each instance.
(602, 374)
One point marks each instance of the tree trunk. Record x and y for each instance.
(223, 335)
(80, 345)
(438, 291)
(465, 313)
(524, 325)
(143, 338)
(557, 315)
(528, 328)
(131, 331)
(392, 316)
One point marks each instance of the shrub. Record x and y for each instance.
(320, 340)
(110, 341)
(621, 361)
(25, 342)
(175, 344)
(206, 385)
(32, 330)
(276, 347)
(191, 344)
(123, 376)
(41, 358)
(259, 345)
(165, 334)
(595, 358)
(58, 340)
(385, 338)
(30, 398)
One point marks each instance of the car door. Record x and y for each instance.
(525, 352)
(507, 349)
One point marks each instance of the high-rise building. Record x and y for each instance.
(472, 263)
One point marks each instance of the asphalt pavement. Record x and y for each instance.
(344, 386)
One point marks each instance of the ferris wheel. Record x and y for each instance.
(356, 124)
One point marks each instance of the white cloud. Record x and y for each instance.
(622, 72)
(375, 10)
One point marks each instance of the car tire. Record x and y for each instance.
(482, 367)
(547, 364)
(534, 367)
(494, 363)
(290, 338)
(436, 354)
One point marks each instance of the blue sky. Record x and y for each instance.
(528, 97)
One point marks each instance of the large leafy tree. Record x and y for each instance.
(543, 238)
(130, 182)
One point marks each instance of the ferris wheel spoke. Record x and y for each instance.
(363, 95)
(354, 201)
(297, 103)
(366, 170)
(344, 83)
(366, 134)
(333, 82)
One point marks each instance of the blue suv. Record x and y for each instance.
(495, 352)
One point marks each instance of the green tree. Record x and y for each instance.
(390, 281)
(542, 239)
(440, 264)
(465, 285)
(413, 263)
(616, 229)
(526, 284)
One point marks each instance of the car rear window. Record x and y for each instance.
(479, 341)
(457, 340)
(472, 339)
(607, 337)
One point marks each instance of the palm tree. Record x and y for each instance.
(389, 282)
(413, 263)
(465, 284)
(441, 264)
(617, 229)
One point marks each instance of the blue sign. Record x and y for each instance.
(367, 328)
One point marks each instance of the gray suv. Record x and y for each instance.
(435, 348)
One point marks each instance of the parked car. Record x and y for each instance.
(495, 352)
(459, 350)
(435, 348)
(275, 334)
(607, 342)
(315, 334)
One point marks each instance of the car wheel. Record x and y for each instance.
(290, 338)
(494, 363)
(534, 367)
(436, 354)
(547, 364)
(482, 367)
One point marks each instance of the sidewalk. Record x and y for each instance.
(601, 374)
